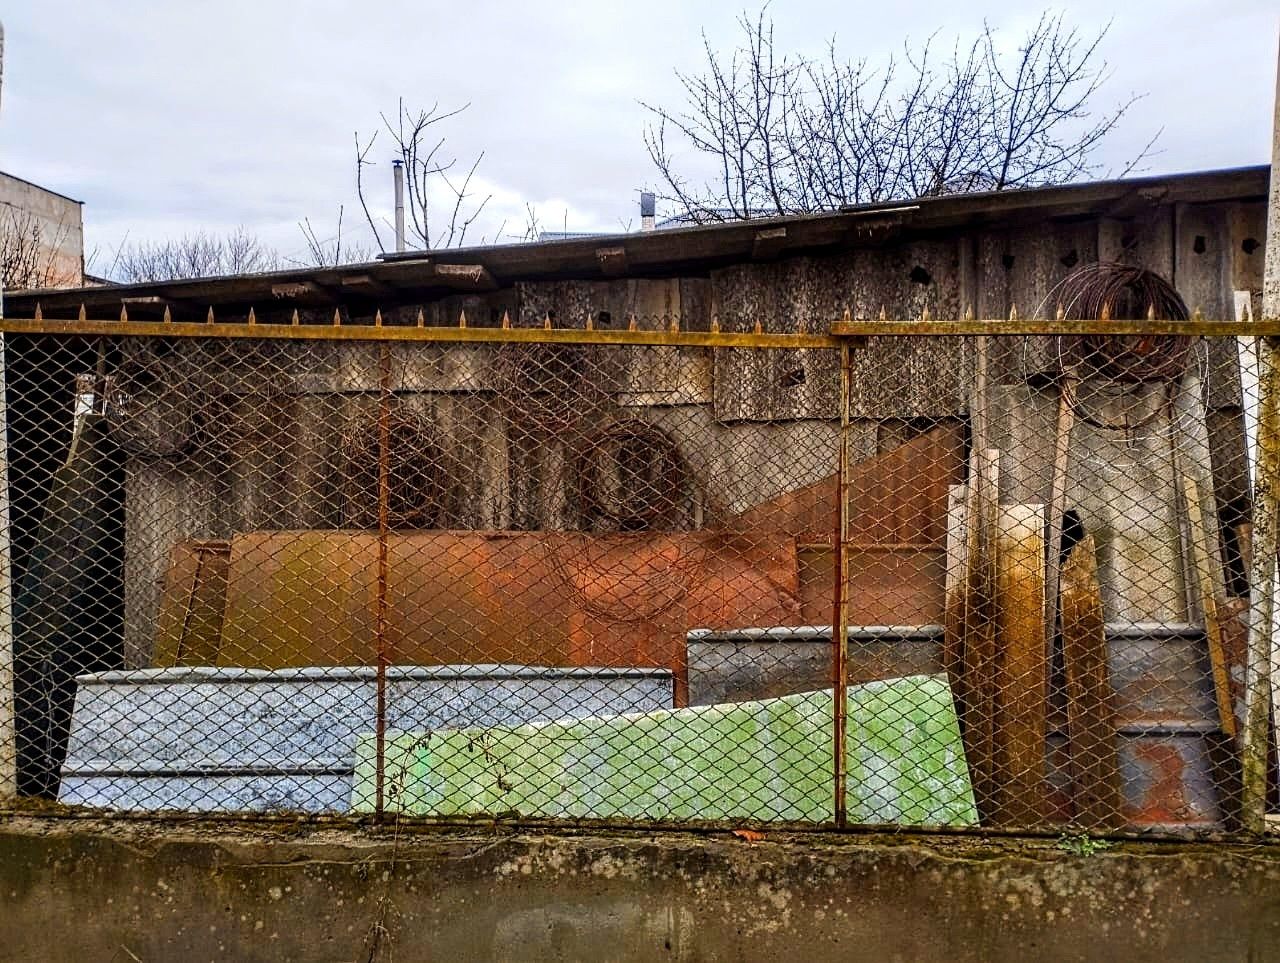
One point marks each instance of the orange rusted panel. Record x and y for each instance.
(189, 623)
(888, 585)
(898, 496)
(307, 598)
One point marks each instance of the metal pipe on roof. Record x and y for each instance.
(397, 173)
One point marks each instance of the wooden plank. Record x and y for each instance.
(1091, 719)
(1022, 669)
(1058, 497)
(979, 656)
(953, 614)
(1209, 596)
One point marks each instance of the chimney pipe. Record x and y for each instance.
(397, 171)
(647, 208)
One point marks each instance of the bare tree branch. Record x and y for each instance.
(194, 256)
(760, 132)
(416, 143)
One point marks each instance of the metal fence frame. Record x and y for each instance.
(845, 335)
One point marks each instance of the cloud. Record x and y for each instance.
(166, 118)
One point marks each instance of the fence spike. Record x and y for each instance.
(1105, 314)
(848, 316)
(422, 319)
(253, 319)
(631, 323)
(295, 320)
(1151, 312)
(83, 313)
(1061, 313)
(39, 315)
(168, 318)
(590, 322)
(675, 323)
(506, 319)
(715, 324)
(759, 329)
(462, 319)
(884, 314)
(377, 318)
(124, 312)
(546, 321)
(968, 312)
(1013, 311)
(337, 318)
(209, 319)
(924, 314)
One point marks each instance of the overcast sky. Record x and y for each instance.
(165, 117)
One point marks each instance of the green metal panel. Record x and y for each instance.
(769, 759)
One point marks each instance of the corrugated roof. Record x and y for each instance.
(677, 251)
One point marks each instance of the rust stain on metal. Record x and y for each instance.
(189, 623)
(1091, 717)
(897, 497)
(1022, 670)
(1209, 606)
(978, 625)
(840, 613)
(384, 503)
(1165, 798)
(539, 598)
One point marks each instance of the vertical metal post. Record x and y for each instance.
(840, 620)
(397, 168)
(1262, 576)
(8, 670)
(384, 484)
(1266, 492)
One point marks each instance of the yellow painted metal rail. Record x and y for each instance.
(759, 338)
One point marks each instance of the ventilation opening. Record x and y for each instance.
(793, 378)
(919, 275)
(1199, 245)
(1007, 261)
(1250, 245)
(1070, 259)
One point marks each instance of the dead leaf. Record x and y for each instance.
(750, 835)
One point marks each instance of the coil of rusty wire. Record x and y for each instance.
(1121, 291)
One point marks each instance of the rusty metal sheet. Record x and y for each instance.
(899, 496)
(307, 598)
(887, 585)
(189, 624)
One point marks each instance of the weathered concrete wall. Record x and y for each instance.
(52, 222)
(83, 890)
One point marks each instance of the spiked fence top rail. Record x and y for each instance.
(670, 336)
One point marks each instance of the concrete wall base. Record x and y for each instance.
(86, 889)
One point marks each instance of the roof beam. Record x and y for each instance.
(768, 243)
(612, 260)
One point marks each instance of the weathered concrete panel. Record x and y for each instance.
(83, 890)
(262, 740)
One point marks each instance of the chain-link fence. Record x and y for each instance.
(591, 580)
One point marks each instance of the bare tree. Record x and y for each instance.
(331, 251)
(780, 134)
(195, 255)
(30, 255)
(439, 199)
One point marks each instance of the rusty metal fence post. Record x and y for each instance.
(384, 488)
(840, 621)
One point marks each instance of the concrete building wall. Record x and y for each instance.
(52, 223)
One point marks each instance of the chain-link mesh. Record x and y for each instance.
(600, 581)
